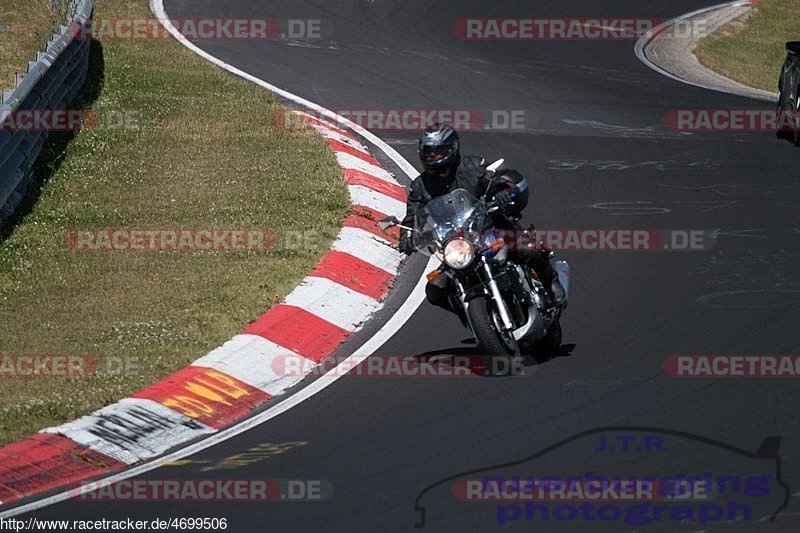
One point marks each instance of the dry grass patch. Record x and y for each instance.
(25, 27)
(752, 53)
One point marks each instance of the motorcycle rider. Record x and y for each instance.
(445, 170)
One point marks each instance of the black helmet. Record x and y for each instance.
(439, 147)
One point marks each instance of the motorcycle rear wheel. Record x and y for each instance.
(500, 351)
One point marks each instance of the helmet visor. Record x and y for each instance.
(432, 154)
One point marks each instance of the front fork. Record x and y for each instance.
(462, 298)
(497, 297)
(502, 309)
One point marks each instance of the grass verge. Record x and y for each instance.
(197, 150)
(752, 53)
(25, 27)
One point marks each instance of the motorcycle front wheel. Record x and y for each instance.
(500, 351)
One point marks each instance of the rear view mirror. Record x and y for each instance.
(494, 166)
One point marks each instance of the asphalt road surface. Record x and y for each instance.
(381, 442)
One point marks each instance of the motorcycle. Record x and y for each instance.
(504, 303)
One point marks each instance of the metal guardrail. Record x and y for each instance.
(52, 83)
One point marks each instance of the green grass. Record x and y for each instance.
(25, 27)
(754, 52)
(205, 154)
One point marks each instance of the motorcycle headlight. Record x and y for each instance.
(458, 253)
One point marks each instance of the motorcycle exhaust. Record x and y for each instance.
(534, 328)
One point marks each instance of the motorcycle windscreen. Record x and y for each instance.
(456, 212)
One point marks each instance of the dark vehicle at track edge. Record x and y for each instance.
(789, 89)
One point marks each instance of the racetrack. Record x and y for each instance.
(380, 441)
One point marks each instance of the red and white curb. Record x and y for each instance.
(226, 385)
